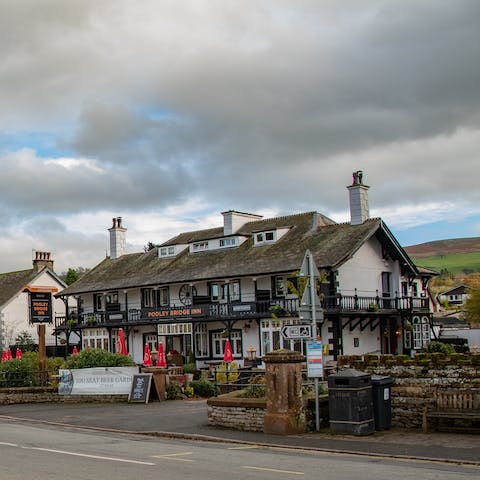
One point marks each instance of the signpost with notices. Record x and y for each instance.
(311, 309)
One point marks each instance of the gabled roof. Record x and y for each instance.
(14, 282)
(457, 290)
(331, 244)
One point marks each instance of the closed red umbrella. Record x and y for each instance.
(161, 360)
(9, 354)
(228, 354)
(4, 356)
(121, 343)
(75, 350)
(147, 357)
(18, 353)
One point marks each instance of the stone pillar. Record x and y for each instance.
(283, 376)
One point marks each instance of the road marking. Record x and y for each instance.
(274, 470)
(246, 447)
(9, 444)
(172, 456)
(98, 457)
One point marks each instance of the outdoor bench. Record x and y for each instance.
(455, 409)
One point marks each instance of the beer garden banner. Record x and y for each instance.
(96, 381)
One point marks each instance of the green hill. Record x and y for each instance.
(459, 255)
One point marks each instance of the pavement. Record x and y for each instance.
(187, 419)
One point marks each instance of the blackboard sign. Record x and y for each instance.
(140, 390)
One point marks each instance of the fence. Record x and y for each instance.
(26, 378)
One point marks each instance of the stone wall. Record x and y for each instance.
(231, 411)
(416, 379)
(10, 396)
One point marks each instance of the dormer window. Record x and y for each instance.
(227, 242)
(264, 237)
(167, 251)
(200, 246)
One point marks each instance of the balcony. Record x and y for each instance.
(211, 311)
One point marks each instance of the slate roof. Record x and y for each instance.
(11, 283)
(330, 243)
(457, 290)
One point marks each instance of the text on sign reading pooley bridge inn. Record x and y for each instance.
(174, 312)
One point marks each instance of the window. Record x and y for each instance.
(155, 297)
(279, 286)
(218, 343)
(199, 246)
(227, 242)
(264, 237)
(98, 302)
(272, 338)
(95, 338)
(201, 340)
(415, 289)
(167, 251)
(214, 292)
(225, 291)
(421, 332)
(111, 298)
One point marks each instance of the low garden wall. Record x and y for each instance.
(10, 396)
(415, 380)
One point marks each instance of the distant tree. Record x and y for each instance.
(25, 341)
(73, 274)
(149, 246)
(71, 277)
(472, 308)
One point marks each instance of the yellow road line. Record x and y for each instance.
(172, 456)
(245, 447)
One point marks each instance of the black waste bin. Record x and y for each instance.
(350, 402)
(382, 401)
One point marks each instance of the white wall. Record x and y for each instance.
(363, 271)
(16, 313)
(369, 342)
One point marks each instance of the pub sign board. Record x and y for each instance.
(40, 307)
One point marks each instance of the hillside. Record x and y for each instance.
(444, 247)
(458, 256)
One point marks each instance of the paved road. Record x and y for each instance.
(188, 419)
(52, 453)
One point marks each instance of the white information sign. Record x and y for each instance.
(314, 359)
(96, 381)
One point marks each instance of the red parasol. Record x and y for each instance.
(75, 350)
(18, 353)
(9, 354)
(227, 354)
(147, 357)
(4, 356)
(121, 343)
(161, 360)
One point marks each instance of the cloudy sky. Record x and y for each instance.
(169, 112)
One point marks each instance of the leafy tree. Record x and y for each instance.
(72, 276)
(149, 246)
(25, 341)
(472, 307)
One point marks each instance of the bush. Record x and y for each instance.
(440, 347)
(173, 391)
(232, 368)
(18, 373)
(203, 388)
(96, 357)
(257, 389)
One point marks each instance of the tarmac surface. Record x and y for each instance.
(187, 419)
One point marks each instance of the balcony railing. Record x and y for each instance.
(248, 310)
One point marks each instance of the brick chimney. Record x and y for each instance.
(233, 221)
(42, 260)
(117, 239)
(359, 210)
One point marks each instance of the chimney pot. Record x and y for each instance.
(358, 192)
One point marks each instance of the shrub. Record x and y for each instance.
(18, 373)
(257, 388)
(96, 357)
(222, 372)
(173, 391)
(440, 347)
(203, 388)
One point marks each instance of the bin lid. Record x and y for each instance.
(382, 380)
(348, 377)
